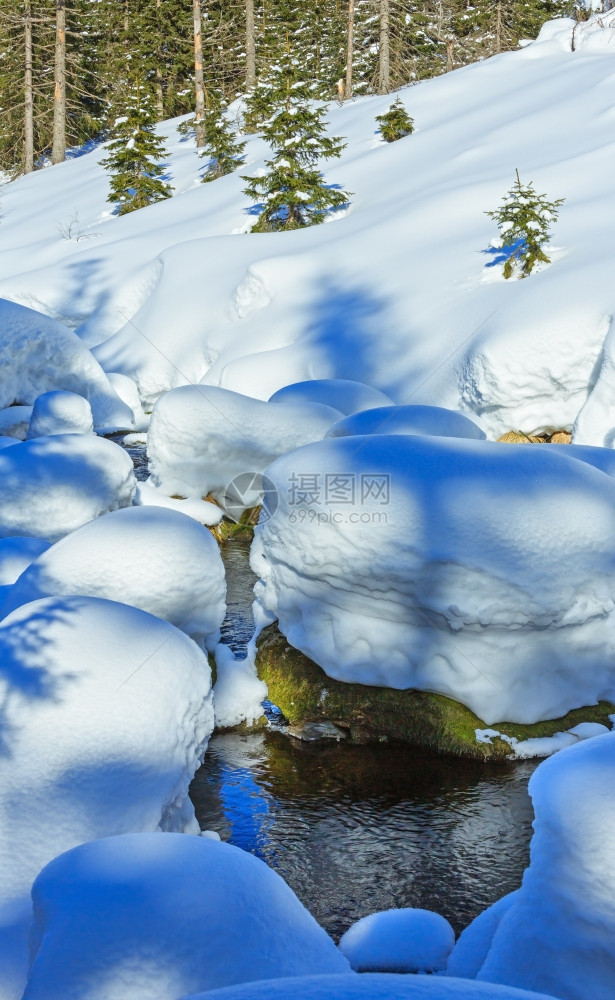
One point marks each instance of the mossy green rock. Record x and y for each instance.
(304, 693)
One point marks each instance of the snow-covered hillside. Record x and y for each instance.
(403, 292)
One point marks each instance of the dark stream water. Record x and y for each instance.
(355, 829)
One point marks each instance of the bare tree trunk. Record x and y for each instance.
(450, 61)
(159, 90)
(250, 46)
(349, 51)
(384, 73)
(28, 93)
(58, 147)
(199, 82)
(498, 27)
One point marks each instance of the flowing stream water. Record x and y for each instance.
(355, 829)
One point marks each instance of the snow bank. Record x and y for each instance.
(238, 693)
(404, 940)
(60, 412)
(556, 933)
(53, 485)
(106, 715)
(16, 554)
(6, 442)
(201, 438)
(436, 563)
(155, 916)
(154, 559)
(378, 986)
(432, 420)
(38, 354)
(342, 394)
(201, 510)
(127, 390)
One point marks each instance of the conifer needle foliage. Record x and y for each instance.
(524, 219)
(293, 193)
(135, 155)
(395, 123)
(223, 147)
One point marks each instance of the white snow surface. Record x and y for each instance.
(38, 354)
(60, 412)
(432, 420)
(16, 554)
(127, 390)
(53, 485)
(342, 394)
(402, 940)
(238, 692)
(443, 571)
(201, 437)
(106, 716)
(14, 421)
(555, 933)
(397, 292)
(155, 916)
(201, 510)
(376, 986)
(158, 560)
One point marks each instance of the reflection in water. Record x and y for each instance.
(354, 829)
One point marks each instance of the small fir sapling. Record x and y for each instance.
(134, 156)
(395, 123)
(524, 219)
(292, 193)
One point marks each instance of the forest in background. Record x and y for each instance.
(67, 66)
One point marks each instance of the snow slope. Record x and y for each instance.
(399, 292)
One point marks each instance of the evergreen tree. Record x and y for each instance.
(293, 191)
(223, 147)
(395, 123)
(134, 156)
(524, 219)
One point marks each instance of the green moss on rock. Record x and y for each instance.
(232, 529)
(304, 693)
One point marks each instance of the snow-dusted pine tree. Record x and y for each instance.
(293, 193)
(395, 123)
(134, 156)
(524, 219)
(222, 148)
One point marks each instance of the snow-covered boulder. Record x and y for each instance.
(202, 437)
(404, 940)
(38, 354)
(6, 442)
(341, 393)
(556, 932)
(106, 713)
(154, 917)
(154, 559)
(60, 412)
(436, 564)
(378, 986)
(430, 420)
(51, 486)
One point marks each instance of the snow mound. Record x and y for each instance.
(53, 485)
(431, 420)
(14, 421)
(16, 554)
(155, 916)
(6, 442)
(128, 392)
(106, 713)
(436, 564)
(404, 940)
(202, 437)
(60, 412)
(238, 692)
(376, 986)
(38, 354)
(340, 393)
(556, 933)
(158, 560)
(201, 510)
